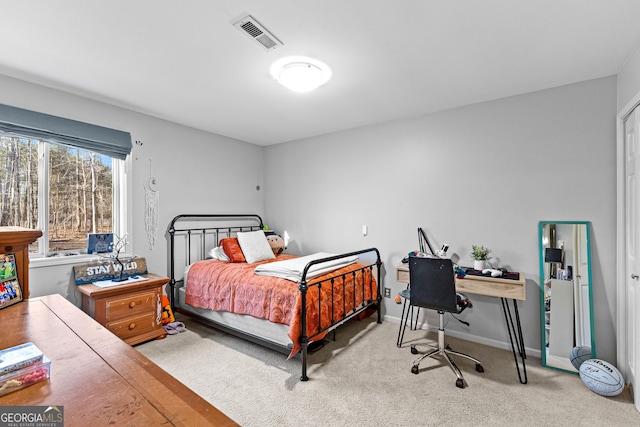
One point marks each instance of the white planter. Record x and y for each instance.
(479, 264)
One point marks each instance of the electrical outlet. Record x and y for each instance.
(387, 292)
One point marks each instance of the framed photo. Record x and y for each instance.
(100, 243)
(10, 290)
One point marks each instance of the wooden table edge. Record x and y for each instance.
(168, 395)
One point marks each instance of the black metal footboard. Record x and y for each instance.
(370, 297)
(192, 235)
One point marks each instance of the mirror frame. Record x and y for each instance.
(543, 347)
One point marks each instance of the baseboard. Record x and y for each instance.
(534, 352)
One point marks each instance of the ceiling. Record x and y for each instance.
(184, 61)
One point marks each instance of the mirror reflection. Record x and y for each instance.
(566, 300)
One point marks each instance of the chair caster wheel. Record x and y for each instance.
(459, 383)
(414, 350)
(414, 369)
(479, 367)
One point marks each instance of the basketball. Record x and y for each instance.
(579, 354)
(601, 377)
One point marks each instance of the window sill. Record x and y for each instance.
(41, 262)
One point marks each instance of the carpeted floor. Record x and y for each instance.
(369, 383)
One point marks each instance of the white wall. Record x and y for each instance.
(481, 174)
(197, 172)
(629, 79)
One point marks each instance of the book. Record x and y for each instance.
(18, 357)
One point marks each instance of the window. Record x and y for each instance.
(65, 191)
(62, 176)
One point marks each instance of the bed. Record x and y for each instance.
(252, 299)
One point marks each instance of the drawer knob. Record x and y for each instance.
(132, 326)
(132, 304)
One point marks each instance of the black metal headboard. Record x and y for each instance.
(204, 229)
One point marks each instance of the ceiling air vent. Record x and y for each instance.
(257, 32)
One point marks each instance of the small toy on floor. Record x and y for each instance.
(174, 328)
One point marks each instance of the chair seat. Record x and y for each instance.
(406, 294)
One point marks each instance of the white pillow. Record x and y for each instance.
(255, 246)
(218, 253)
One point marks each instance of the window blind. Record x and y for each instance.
(110, 142)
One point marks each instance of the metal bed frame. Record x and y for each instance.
(201, 228)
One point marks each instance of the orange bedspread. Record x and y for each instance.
(235, 288)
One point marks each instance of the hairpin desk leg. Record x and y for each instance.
(515, 333)
(407, 316)
(403, 325)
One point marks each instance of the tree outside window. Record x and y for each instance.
(65, 191)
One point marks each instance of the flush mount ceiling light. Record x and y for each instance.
(300, 74)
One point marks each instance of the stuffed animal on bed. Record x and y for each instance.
(276, 243)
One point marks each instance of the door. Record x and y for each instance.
(632, 246)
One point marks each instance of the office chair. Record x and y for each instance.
(433, 286)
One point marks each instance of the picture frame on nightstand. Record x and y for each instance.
(100, 243)
(10, 290)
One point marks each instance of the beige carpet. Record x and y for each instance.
(369, 383)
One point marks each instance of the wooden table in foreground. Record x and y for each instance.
(97, 378)
(498, 287)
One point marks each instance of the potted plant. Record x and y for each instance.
(480, 255)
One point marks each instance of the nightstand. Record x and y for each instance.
(132, 311)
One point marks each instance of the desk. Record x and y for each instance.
(504, 289)
(97, 378)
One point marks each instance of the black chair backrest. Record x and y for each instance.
(432, 283)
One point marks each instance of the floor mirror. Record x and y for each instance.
(566, 302)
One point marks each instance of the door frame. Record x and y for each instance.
(621, 306)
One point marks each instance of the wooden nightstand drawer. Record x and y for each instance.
(133, 325)
(131, 304)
